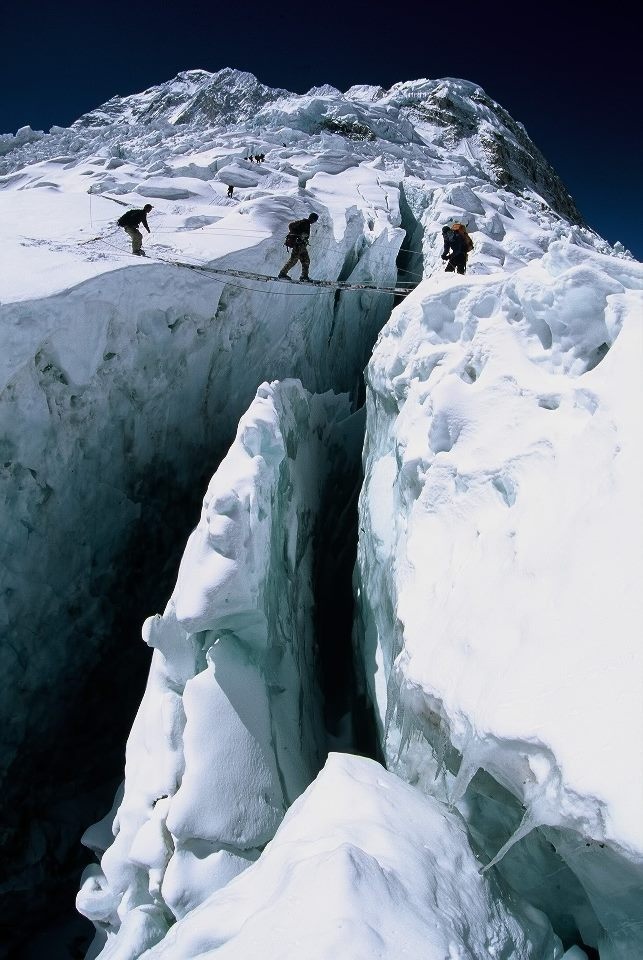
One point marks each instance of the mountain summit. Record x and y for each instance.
(456, 112)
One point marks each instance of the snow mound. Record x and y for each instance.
(382, 856)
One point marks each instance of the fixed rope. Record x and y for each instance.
(305, 287)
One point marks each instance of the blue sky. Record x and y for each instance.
(569, 73)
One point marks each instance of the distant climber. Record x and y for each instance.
(297, 241)
(457, 246)
(230, 189)
(130, 221)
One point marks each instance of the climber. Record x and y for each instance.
(459, 243)
(297, 241)
(230, 189)
(130, 221)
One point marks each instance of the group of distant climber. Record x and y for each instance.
(457, 242)
(256, 157)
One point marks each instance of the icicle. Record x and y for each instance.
(393, 706)
(527, 824)
(406, 729)
(440, 750)
(469, 766)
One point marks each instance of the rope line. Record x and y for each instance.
(330, 284)
(219, 273)
(402, 287)
(195, 267)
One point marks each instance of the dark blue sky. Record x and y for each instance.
(569, 71)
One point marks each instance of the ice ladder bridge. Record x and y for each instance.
(217, 273)
(400, 290)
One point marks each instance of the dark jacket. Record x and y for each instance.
(454, 242)
(134, 218)
(299, 230)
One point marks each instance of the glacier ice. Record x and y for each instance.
(229, 732)
(120, 391)
(500, 550)
(499, 526)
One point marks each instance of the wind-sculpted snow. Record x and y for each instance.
(498, 567)
(361, 868)
(229, 731)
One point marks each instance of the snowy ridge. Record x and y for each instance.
(414, 118)
(229, 96)
(499, 524)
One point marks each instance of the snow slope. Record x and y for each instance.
(500, 520)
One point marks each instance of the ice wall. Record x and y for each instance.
(498, 566)
(229, 732)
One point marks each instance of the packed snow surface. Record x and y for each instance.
(497, 594)
(362, 867)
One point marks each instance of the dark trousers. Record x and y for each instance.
(299, 253)
(457, 261)
(136, 237)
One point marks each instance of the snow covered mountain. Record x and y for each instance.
(493, 669)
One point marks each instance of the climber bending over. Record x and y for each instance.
(130, 222)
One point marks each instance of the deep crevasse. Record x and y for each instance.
(118, 390)
(229, 732)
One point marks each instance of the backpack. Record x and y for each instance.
(298, 232)
(464, 236)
